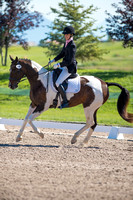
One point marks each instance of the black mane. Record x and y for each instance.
(24, 59)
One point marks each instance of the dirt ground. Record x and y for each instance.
(52, 168)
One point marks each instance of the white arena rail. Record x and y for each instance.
(114, 132)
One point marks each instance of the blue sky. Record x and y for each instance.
(43, 6)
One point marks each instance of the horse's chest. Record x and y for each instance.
(38, 94)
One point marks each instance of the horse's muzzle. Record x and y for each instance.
(12, 86)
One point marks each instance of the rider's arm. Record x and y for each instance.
(61, 55)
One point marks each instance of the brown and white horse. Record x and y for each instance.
(93, 93)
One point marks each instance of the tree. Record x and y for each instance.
(74, 14)
(15, 18)
(120, 26)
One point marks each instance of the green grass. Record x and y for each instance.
(17, 107)
(125, 78)
(116, 66)
(118, 58)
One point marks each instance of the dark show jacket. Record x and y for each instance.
(68, 55)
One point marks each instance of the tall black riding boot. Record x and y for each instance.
(63, 95)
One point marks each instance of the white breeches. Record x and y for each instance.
(63, 76)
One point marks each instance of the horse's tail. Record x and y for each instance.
(122, 102)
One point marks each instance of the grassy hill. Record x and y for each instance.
(116, 66)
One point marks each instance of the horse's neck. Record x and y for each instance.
(33, 70)
(42, 73)
(38, 68)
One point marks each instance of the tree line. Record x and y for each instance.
(16, 18)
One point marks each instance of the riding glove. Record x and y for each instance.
(55, 66)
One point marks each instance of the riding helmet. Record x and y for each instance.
(69, 30)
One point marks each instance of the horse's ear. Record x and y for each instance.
(16, 59)
(11, 58)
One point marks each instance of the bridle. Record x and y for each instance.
(25, 78)
(20, 79)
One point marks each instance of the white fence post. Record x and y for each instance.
(2, 126)
(114, 134)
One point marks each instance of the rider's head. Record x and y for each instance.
(68, 32)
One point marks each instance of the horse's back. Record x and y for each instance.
(93, 82)
(98, 87)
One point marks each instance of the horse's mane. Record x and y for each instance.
(25, 59)
(37, 67)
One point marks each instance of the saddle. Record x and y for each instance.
(56, 73)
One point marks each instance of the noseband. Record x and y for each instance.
(18, 80)
(15, 79)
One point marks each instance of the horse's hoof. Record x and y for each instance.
(81, 145)
(74, 140)
(85, 141)
(41, 135)
(18, 138)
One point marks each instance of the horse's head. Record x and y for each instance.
(16, 73)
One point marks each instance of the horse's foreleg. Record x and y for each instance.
(31, 118)
(30, 111)
(36, 130)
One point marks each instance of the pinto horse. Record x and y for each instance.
(93, 93)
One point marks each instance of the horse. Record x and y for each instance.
(93, 93)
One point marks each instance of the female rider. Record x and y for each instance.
(69, 63)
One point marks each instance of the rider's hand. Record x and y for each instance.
(51, 61)
(56, 65)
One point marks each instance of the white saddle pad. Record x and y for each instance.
(73, 85)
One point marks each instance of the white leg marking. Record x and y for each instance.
(74, 139)
(89, 114)
(30, 111)
(31, 118)
(88, 136)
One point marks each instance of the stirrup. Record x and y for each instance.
(55, 102)
(64, 105)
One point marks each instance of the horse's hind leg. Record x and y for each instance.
(91, 129)
(30, 111)
(90, 122)
(76, 135)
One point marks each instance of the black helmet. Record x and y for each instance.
(69, 30)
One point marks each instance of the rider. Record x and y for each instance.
(69, 63)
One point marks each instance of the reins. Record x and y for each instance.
(23, 79)
(48, 73)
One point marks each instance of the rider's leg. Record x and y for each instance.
(63, 95)
(63, 76)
